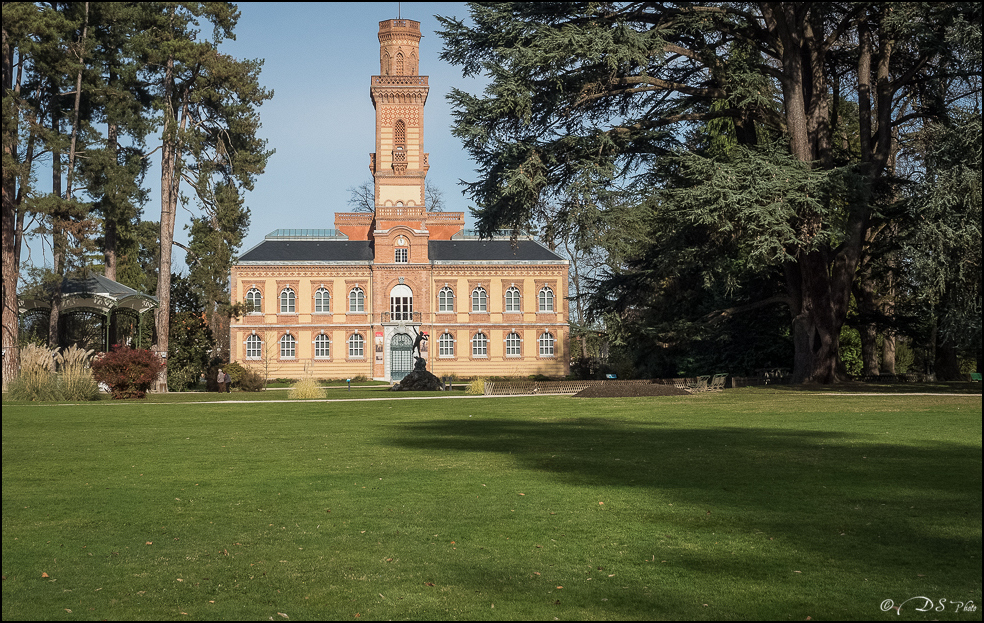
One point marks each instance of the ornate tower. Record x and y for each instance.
(398, 93)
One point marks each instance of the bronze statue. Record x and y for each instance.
(420, 362)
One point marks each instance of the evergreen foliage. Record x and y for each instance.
(85, 85)
(757, 143)
(944, 248)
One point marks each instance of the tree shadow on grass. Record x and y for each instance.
(867, 508)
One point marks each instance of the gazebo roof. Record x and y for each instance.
(95, 292)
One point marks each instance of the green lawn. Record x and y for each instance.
(746, 504)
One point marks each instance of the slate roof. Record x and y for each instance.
(318, 251)
(331, 251)
(490, 251)
(97, 292)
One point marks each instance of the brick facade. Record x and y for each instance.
(384, 272)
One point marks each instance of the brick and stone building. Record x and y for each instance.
(348, 301)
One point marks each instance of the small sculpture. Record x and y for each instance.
(420, 364)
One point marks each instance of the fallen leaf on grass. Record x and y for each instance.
(44, 575)
(428, 584)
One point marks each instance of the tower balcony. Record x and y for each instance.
(389, 28)
(399, 212)
(400, 316)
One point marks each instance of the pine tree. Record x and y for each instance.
(209, 120)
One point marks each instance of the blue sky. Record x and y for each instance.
(318, 60)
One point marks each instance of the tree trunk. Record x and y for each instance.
(13, 217)
(11, 274)
(888, 354)
(816, 321)
(869, 350)
(947, 365)
(864, 296)
(58, 242)
(110, 231)
(169, 199)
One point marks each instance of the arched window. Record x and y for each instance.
(445, 300)
(480, 345)
(512, 299)
(255, 301)
(356, 347)
(546, 342)
(399, 63)
(288, 347)
(513, 345)
(322, 301)
(446, 345)
(357, 300)
(322, 347)
(401, 303)
(287, 299)
(254, 347)
(546, 300)
(480, 300)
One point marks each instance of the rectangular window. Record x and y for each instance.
(401, 256)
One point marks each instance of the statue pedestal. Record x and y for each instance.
(420, 380)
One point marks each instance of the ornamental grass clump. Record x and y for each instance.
(306, 389)
(36, 381)
(476, 387)
(74, 380)
(128, 372)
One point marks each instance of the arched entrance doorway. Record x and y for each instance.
(401, 356)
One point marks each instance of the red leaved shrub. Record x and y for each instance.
(128, 372)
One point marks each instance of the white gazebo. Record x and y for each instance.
(95, 312)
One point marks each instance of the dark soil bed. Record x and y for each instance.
(633, 390)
